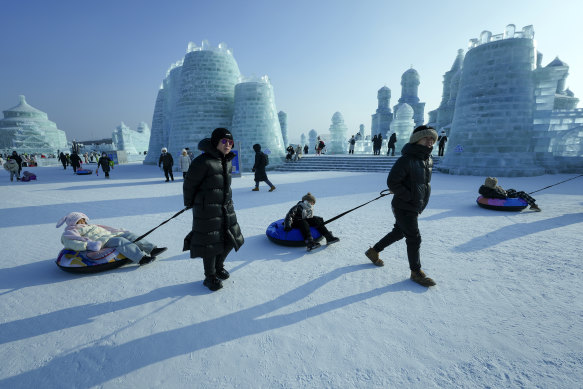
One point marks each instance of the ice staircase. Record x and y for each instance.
(351, 163)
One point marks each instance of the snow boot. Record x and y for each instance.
(331, 239)
(272, 188)
(213, 283)
(146, 259)
(535, 208)
(255, 189)
(157, 251)
(222, 274)
(311, 245)
(421, 278)
(373, 255)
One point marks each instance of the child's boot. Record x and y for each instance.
(331, 238)
(310, 244)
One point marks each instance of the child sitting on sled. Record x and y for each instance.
(81, 236)
(492, 190)
(301, 216)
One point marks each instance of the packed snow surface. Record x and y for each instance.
(506, 311)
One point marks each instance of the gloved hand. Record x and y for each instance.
(94, 245)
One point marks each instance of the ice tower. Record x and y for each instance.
(338, 132)
(255, 120)
(312, 138)
(198, 95)
(283, 124)
(132, 142)
(409, 95)
(493, 117)
(28, 130)
(403, 125)
(381, 120)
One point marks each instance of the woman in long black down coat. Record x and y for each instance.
(207, 189)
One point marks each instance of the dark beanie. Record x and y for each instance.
(218, 134)
(421, 132)
(257, 147)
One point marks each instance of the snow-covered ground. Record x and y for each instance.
(505, 312)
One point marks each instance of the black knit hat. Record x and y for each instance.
(257, 147)
(421, 132)
(218, 134)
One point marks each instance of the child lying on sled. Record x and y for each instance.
(492, 190)
(301, 216)
(81, 236)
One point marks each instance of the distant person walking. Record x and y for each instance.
(104, 162)
(261, 161)
(351, 143)
(75, 162)
(320, 146)
(184, 163)
(391, 144)
(18, 160)
(374, 145)
(306, 149)
(166, 162)
(409, 181)
(12, 167)
(63, 160)
(207, 189)
(441, 140)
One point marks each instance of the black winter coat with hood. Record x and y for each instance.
(207, 189)
(259, 165)
(410, 177)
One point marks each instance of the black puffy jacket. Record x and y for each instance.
(410, 177)
(207, 189)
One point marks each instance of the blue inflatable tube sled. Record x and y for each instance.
(90, 261)
(511, 204)
(83, 172)
(276, 234)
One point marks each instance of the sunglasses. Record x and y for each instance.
(229, 142)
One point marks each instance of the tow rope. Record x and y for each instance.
(546, 187)
(383, 194)
(164, 222)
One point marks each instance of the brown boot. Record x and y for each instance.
(255, 190)
(421, 278)
(373, 255)
(272, 189)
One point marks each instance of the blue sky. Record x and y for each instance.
(92, 64)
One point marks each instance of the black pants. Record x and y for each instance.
(441, 149)
(168, 172)
(305, 224)
(214, 263)
(64, 165)
(512, 193)
(389, 150)
(184, 174)
(405, 227)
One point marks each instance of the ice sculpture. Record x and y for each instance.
(28, 130)
(303, 140)
(198, 95)
(409, 90)
(312, 139)
(381, 120)
(512, 116)
(283, 123)
(255, 120)
(403, 125)
(338, 143)
(132, 142)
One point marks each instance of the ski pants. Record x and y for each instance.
(406, 226)
(305, 224)
(266, 181)
(168, 172)
(133, 251)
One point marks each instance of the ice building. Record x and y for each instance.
(283, 124)
(28, 130)
(409, 95)
(198, 95)
(512, 116)
(403, 125)
(338, 143)
(134, 143)
(451, 79)
(303, 139)
(381, 120)
(255, 120)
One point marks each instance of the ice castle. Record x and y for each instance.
(507, 115)
(382, 119)
(28, 130)
(204, 91)
(338, 143)
(132, 142)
